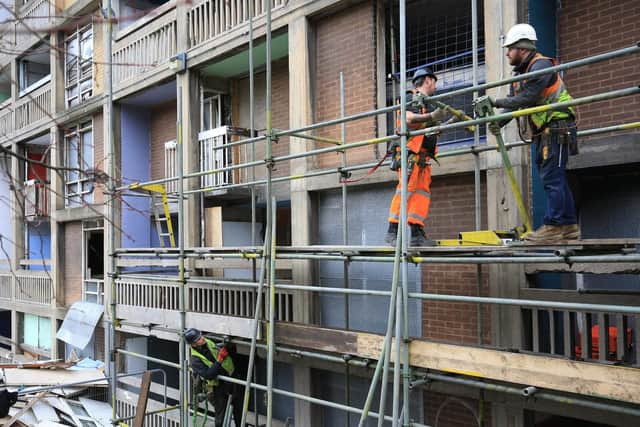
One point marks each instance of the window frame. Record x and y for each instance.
(74, 94)
(85, 196)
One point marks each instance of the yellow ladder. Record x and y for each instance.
(162, 216)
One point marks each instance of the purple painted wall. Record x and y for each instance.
(135, 131)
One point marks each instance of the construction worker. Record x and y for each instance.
(421, 150)
(207, 362)
(553, 132)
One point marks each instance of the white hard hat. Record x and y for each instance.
(519, 32)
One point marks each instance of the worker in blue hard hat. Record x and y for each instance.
(422, 149)
(207, 362)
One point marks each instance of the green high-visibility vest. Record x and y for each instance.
(557, 92)
(227, 363)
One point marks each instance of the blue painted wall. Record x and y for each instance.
(135, 133)
(39, 243)
(542, 15)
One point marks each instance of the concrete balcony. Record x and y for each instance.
(230, 308)
(25, 287)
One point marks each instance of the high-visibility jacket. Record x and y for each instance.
(227, 363)
(613, 343)
(416, 142)
(556, 92)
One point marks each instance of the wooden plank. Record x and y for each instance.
(30, 377)
(581, 267)
(143, 397)
(605, 381)
(28, 406)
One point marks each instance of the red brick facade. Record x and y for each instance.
(592, 27)
(452, 211)
(163, 129)
(345, 42)
(72, 262)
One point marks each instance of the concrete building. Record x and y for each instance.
(182, 68)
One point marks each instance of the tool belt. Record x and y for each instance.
(421, 159)
(561, 132)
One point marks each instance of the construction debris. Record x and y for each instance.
(45, 390)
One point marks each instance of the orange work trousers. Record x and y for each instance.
(418, 194)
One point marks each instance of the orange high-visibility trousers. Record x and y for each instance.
(418, 196)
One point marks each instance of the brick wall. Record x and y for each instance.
(163, 129)
(452, 211)
(454, 412)
(72, 262)
(590, 27)
(280, 113)
(99, 158)
(345, 42)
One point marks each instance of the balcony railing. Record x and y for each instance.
(36, 204)
(603, 336)
(33, 107)
(163, 294)
(211, 18)
(31, 287)
(35, 15)
(146, 45)
(214, 157)
(6, 118)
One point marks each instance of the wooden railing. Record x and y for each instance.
(210, 18)
(33, 107)
(32, 287)
(602, 336)
(201, 298)
(145, 47)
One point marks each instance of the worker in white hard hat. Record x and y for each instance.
(553, 132)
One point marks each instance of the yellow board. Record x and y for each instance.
(479, 238)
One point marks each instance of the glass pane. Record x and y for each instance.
(72, 157)
(72, 50)
(86, 48)
(87, 150)
(91, 287)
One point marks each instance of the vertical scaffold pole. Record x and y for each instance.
(345, 241)
(401, 320)
(271, 211)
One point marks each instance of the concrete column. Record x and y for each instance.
(56, 203)
(504, 280)
(189, 90)
(15, 332)
(300, 114)
(17, 211)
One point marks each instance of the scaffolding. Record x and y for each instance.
(393, 357)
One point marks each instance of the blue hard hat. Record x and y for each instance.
(422, 72)
(191, 334)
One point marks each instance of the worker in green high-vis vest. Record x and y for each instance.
(552, 131)
(208, 361)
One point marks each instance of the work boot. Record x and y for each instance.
(392, 233)
(547, 234)
(571, 232)
(418, 238)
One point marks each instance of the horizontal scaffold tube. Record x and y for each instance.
(309, 399)
(430, 130)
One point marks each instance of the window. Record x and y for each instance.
(78, 70)
(34, 68)
(78, 155)
(36, 331)
(211, 112)
(93, 261)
